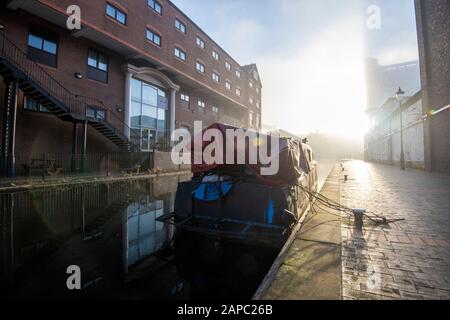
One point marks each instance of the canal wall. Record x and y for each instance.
(164, 163)
(163, 167)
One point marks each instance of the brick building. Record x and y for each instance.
(134, 72)
(433, 28)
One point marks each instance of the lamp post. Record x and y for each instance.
(400, 93)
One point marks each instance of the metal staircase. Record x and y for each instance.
(39, 85)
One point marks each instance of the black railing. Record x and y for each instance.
(48, 166)
(56, 92)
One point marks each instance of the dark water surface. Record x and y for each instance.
(110, 232)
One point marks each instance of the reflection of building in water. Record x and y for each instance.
(143, 235)
(43, 232)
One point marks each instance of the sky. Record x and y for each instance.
(310, 54)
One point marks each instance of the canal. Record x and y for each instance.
(110, 231)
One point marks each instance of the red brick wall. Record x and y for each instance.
(43, 132)
(38, 132)
(133, 35)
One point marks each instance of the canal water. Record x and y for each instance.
(111, 233)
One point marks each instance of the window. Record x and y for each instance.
(215, 111)
(238, 92)
(155, 5)
(257, 89)
(200, 43)
(238, 74)
(228, 66)
(257, 104)
(184, 98)
(200, 67)
(216, 77)
(215, 55)
(180, 54)
(154, 37)
(180, 26)
(255, 75)
(228, 85)
(201, 105)
(257, 121)
(250, 118)
(250, 84)
(43, 49)
(97, 66)
(116, 14)
(250, 100)
(148, 112)
(32, 105)
(95, 113)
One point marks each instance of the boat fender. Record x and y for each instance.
(212, 191)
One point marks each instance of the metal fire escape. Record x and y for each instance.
(35, 82)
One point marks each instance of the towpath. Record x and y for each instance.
(410, 259)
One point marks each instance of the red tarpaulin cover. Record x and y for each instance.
(292, 160)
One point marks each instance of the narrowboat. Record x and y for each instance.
(235, 203)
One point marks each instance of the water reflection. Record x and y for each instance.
(110, 231)
(144, 235)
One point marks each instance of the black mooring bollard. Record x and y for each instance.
(359, 215)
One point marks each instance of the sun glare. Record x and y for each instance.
(324, 87)
(331, 82)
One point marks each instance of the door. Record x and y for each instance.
(148, 139)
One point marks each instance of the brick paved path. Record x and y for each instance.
(406, 260)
